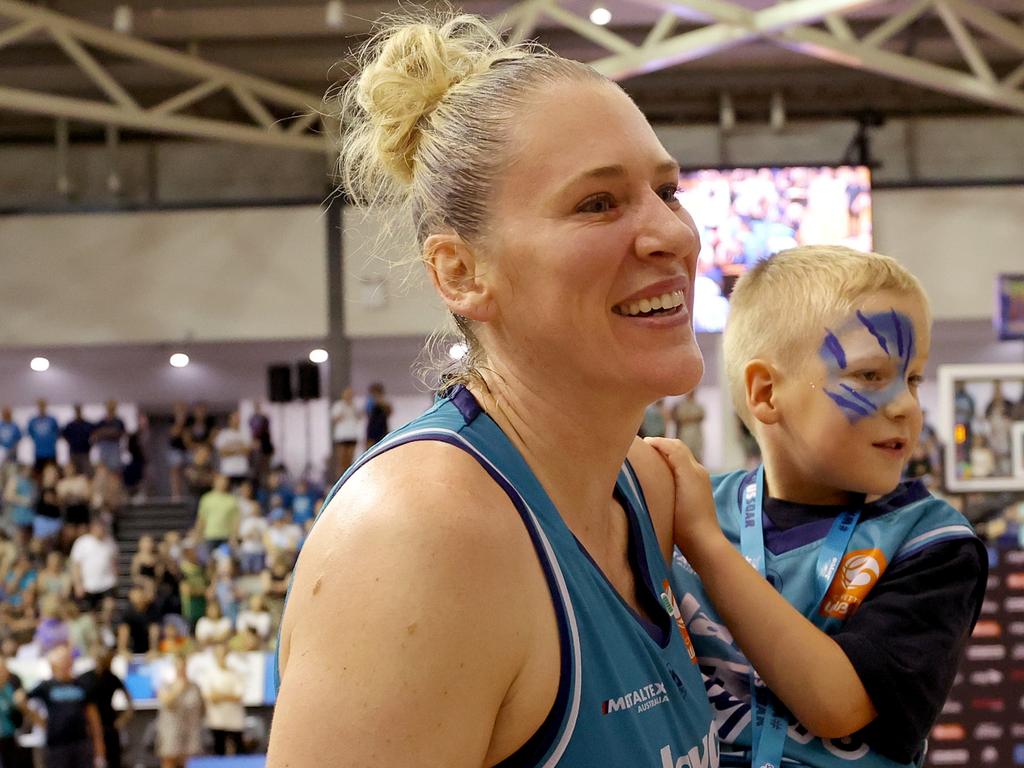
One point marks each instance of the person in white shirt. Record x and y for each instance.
(214, 627)
(233, 448)
(345, 421)
(256, 617)
(222, 689)
(93, 561)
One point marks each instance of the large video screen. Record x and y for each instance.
(746, 215)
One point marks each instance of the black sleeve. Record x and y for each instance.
(906, 640)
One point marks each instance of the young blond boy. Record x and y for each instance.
(864, 589)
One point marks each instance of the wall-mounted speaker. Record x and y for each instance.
(279, 383)
(309, 380)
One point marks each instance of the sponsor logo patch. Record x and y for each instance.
(857, 574)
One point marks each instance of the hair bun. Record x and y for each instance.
(413, 66)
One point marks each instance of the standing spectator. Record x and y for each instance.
(139, 628)
(688, 416)
(20, 494)
(94, 565)
(47, 523)
(233, 449)
(10, 436)
(73, 731)
(378, 411)
(107, 437)
(102, 684)
(77, 433)
(199, 426)
(44, 431)
(214, 628)
(192, 585)
(179, 720)
(177, 450)
(74, 491)
(222, 689)
(345, 430)
(199, 473)
(135, 470)
(653, 424)
(12, 699)
(218, 515)
(107, 492)
(263, 445)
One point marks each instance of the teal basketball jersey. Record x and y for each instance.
(630, 691)
(912, 520)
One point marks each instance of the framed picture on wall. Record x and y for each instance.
(981, 411)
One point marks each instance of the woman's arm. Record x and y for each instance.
(407, 610)
(802, 665)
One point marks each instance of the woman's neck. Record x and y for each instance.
(572, 438)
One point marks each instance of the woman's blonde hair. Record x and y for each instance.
(784, 304)
(426, 125)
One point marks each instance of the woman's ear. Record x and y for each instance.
(458, 275)
(760, 379)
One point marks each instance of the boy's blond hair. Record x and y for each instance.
(784, 304)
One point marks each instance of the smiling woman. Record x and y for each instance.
(546, 216)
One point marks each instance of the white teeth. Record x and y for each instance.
(665, 301)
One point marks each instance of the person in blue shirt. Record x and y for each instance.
(489, 584)
(44, 431)
(10, 436)
(865, 588)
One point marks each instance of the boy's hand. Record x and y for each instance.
(695, 521)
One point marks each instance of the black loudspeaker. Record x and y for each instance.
(279, 383)
(309, 380)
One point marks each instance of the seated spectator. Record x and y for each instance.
(218, 515)
(276, 581)
(47, 523)
(83, 634)
(74, 491)
(94, 564)
(213, 628)
(224, 589)
(168, 585)
(8, 553)
(54, 579)
(77, 433)
(193, 585)
(276, 485)
(222, 688)
(180, 718)
(251, 532)
(173, 640)
(303, 501)
(139, 628)
(245, 641)
(282, 538)
(146, 564)
(107, 492)
(51, 631)
(20, 493)
(19, 587)
(257, 618)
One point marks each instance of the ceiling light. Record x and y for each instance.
(39, 364)
(124, 19)
(334, 14)
(600, 15)
(318, 356)
(179, 360)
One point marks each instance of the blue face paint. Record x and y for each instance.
(883, 334)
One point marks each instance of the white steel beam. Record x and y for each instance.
(17, 32)
(964, 42)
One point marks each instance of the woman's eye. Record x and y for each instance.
(596, 204)
(668, 193)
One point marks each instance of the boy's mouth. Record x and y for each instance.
(896, 445)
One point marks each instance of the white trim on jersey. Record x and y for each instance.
(574, 636)
(930, 537)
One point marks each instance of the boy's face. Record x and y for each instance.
(850, 415)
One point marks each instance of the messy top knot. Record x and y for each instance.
(426, 123)
(415, 67)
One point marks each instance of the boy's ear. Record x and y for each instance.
(761, 378)
(458, 275)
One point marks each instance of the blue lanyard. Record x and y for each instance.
(768, 728)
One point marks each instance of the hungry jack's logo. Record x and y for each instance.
(856, 575)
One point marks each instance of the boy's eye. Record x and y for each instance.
(869, 376)
(915, 381)
(601, 203)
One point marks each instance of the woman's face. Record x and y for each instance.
(585, 231)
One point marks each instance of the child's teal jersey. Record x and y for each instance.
(630, 692)
(876, 543)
